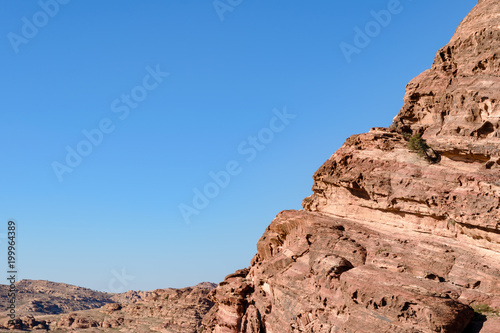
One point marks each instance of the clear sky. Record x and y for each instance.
(148, 144)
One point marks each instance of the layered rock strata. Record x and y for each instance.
(392, 240)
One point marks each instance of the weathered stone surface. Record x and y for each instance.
(180, 310)
(319, 273)
(74, 320)
(375, 178)
(391, 241)
(25, 323)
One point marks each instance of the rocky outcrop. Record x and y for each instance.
(36, 297)
(392, 240)
(455, 105)
(25, 324)
(319, 273)
(74, 320)
(161, 310)
(180, 310)
(131, 296)
(375, 178)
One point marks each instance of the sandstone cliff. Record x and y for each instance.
(392, 240)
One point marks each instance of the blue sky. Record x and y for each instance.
(257, 95)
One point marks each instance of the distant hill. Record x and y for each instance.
(62, 307)
(35, 297)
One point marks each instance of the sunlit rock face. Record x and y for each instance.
(390, 240)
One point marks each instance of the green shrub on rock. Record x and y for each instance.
(418, 145)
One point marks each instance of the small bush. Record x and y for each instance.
(484, 309)
(418, 145)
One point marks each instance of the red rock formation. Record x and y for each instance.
(180, 310)
(26, 323)
(161, 310)
(391, 241)
(73, 320)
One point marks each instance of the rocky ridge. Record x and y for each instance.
(391, 241)
(80, 309)
(163, 310)
(36, 297)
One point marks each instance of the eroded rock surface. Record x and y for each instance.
(318, 273)
(391, 241)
